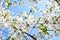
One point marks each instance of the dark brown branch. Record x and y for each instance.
(30, 35)
(22, 32)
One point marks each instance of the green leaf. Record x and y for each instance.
(43, 28)
(14, 21)
(12, 38)
(14, 27)
(8, 4)
(32, 10)
(57, 0)
(46, 33)
(56, 19)
(6, 0)
(46, 21)
(25, 17)
(54, 22)
(27, 24)
(4, 15)
(51, 9)
(38, 20)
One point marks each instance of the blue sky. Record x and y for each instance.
(19, 9)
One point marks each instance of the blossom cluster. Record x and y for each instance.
(19, 24)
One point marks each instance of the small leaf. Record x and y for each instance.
(38, 20)
(51, 9)
(14, 21)
(27, 24)
(46, 21)
(56, 0)
(25, 17)
(56, 19)
(12, 38)
(4, 15)
(6, 0)
(43, 28)
(14, 27)
(8, 4)
(54, 22)
(32, 10)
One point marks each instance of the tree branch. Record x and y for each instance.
(28, 34)
(22, 32)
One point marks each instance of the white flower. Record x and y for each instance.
(6, 3)
(24, 13)
(38, 1)
(5, 24)
(1, 25)
(30, 19)
(1, 9)
(32, 8)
